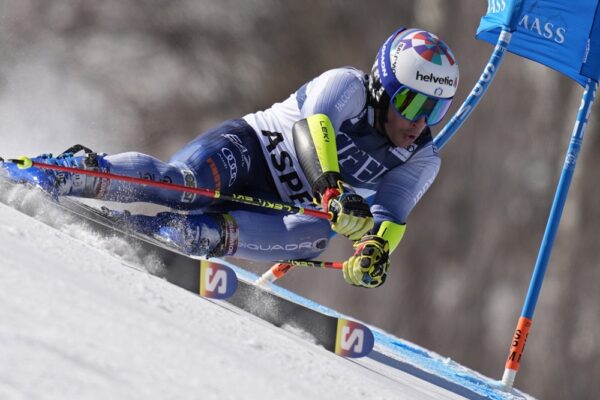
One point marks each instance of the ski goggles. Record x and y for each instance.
(413, 105)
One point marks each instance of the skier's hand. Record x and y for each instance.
(369, 264)
(351, 214)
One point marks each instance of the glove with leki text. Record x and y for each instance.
(369, 264)
(351, 214)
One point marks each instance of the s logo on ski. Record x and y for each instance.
(216, 281)
(353, 339)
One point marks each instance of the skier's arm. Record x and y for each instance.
(314, 141)
(399, 192)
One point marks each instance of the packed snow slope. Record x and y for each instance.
(81, 319)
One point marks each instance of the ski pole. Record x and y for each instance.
(315, 264)
(281, 268)
(488, 74)
(517, 346)
(215, 194)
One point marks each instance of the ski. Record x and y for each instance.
(342, 336)
(215, 280)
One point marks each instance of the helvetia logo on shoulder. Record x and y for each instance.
(446, 80)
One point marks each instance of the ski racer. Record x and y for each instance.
(357, 145)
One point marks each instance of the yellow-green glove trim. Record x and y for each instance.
(392, 232)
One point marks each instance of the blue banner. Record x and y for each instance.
(561, 34)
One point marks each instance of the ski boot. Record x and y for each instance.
(210, 234)
(58, 183)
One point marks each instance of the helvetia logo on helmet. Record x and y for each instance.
(435, 79)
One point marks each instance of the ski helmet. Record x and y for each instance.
(416, 73)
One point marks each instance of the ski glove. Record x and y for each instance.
(351, 214)
(369, 264)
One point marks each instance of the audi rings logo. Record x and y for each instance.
(232, 163)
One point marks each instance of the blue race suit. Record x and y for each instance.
(256, 156)
(227, 158)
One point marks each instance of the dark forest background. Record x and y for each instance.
(149, 75)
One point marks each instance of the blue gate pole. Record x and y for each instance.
(525, 321)
(488, 74)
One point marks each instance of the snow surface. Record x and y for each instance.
(82, 319)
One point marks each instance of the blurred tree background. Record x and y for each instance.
(150, 75)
